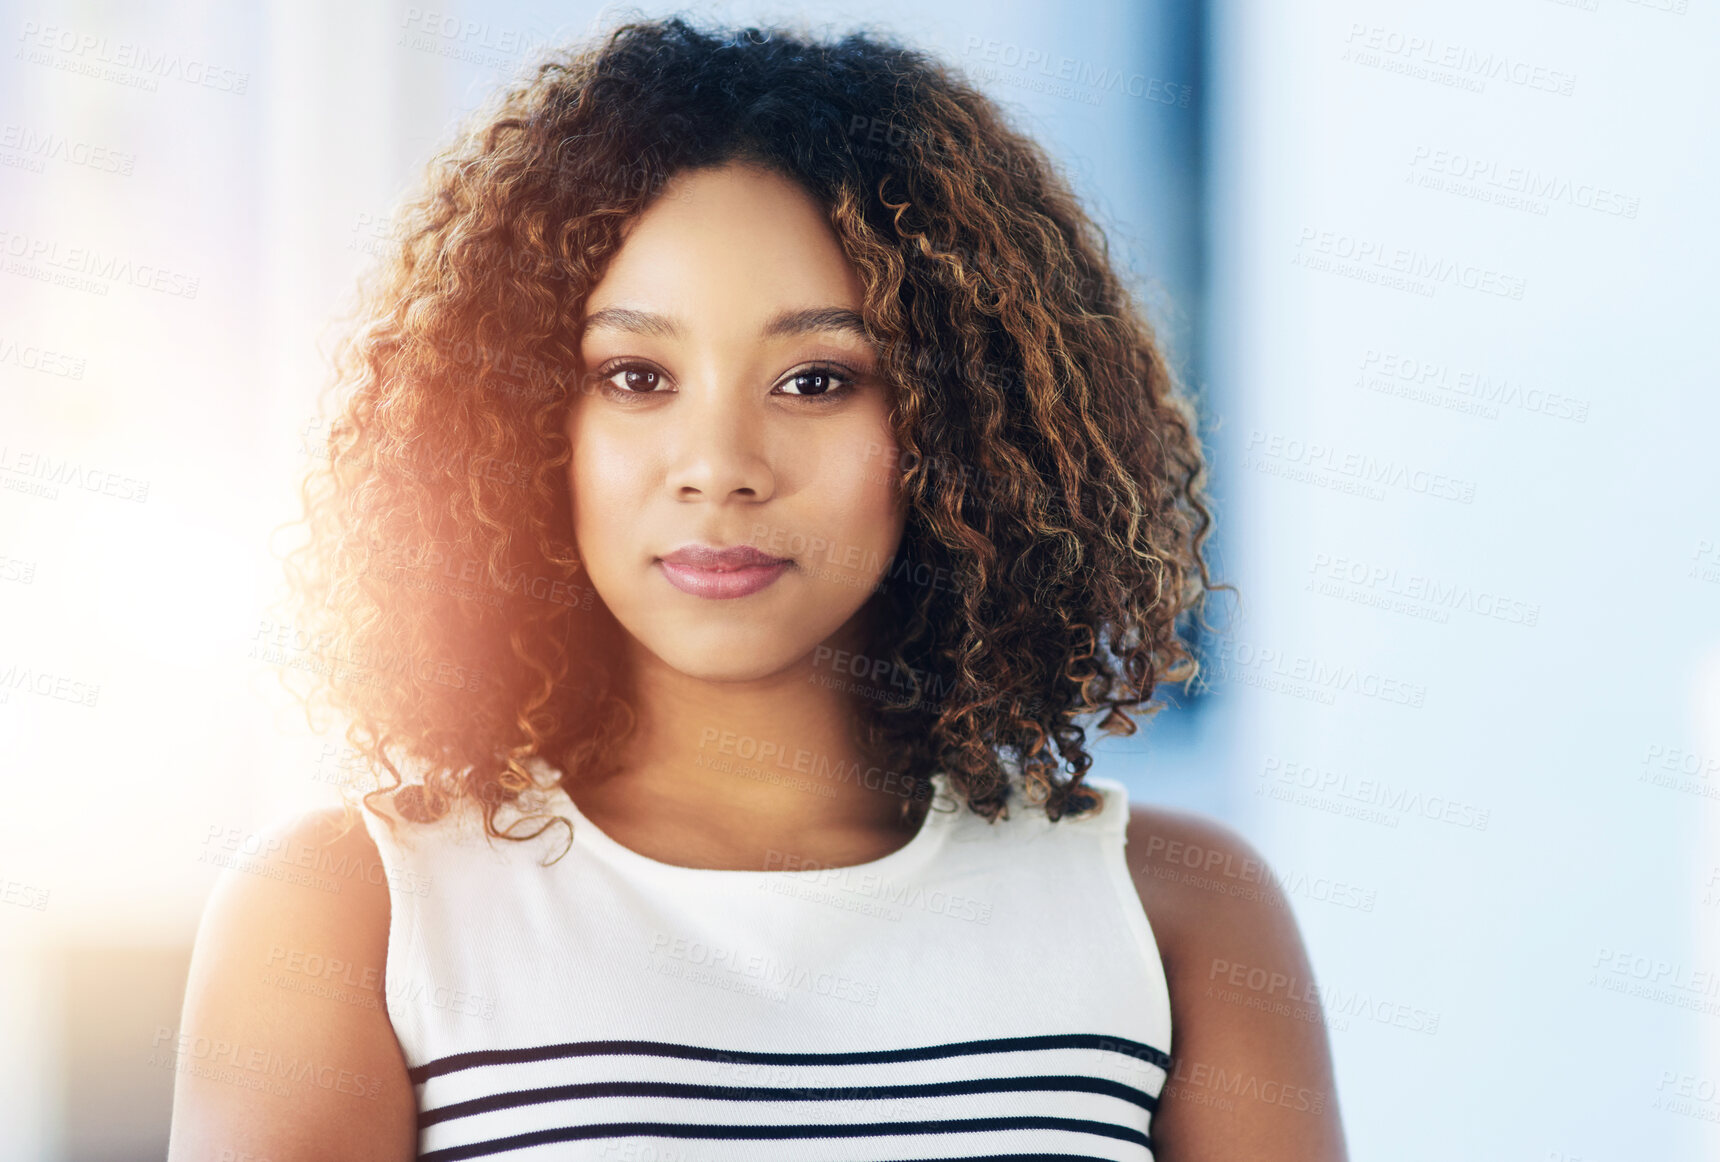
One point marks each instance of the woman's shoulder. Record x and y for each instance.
(288, 966)
(1244, 1002)
(1199, 879)
(317, 877)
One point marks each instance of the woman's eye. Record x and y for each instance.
(636, 379)
(818, 381)
(627, 379)
(632, 380)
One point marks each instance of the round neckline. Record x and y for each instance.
(920, 846)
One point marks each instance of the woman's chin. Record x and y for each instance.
(722, 654)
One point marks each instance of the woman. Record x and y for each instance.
(751, 471)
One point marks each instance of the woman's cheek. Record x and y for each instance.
(864, 517)
(607, 480)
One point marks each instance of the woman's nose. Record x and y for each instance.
(718, 451)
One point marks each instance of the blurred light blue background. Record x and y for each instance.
(1442, 274)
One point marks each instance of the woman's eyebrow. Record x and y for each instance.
(788, 322)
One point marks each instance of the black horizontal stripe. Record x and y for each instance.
(526, 1097)
(854, 1130)
(474, 1058)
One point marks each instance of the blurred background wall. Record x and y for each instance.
(1440, 274)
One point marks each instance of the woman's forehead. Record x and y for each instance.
(733, 231)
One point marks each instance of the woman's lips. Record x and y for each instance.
(707, 571)
(721, 583)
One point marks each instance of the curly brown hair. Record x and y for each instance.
(1050, 459)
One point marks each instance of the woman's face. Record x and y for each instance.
(730, 398)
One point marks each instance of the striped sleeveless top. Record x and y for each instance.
(986, 991)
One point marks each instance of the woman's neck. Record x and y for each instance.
(760, 775)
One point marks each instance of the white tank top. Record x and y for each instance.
(986, 991)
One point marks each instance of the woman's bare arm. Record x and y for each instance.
(1251, 1070)
(285, 1050)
